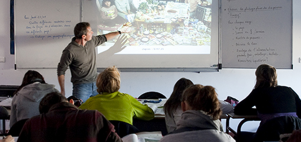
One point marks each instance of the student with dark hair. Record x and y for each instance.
(80, 57)
(200, 119)
(113, 104)
(49, 100)
(25, 103)
(172, 107)
(270, 99)
(62, 121)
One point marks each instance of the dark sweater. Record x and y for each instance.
(81, 60)
(269, 101)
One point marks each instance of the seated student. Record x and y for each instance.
(62, 121)
(109, 14)
(200, 119)
(26, 100)
(270, 99)
(172, 107)
(113, 104)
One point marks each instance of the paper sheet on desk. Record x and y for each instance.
(160, 111)
(157, 107)
(15, 138)
(143, 137)
(149, 136)
(130, 138)
(6, 102)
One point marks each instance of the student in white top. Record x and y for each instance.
(172, 107)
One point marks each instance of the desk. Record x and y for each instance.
(156, 124)
(245, 119)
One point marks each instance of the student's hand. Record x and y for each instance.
(9, 138)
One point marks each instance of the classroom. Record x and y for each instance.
(233, 82)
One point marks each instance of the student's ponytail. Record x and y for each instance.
(209, 101)
(203, 98)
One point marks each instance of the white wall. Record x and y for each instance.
(228, 82)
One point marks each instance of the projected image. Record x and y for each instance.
(174, 27)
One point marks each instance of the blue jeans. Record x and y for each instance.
(84, 90)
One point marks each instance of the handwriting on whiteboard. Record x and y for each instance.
(40, 27)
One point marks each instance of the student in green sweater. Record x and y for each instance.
(113, 104)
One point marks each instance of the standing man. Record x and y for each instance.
(80, 57)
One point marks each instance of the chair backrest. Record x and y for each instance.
(17, 127)
(295, 136)
(3, 116)
(271, 130)
(3, 113)
(123, 129)
(151, 95)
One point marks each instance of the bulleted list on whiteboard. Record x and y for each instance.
(256, 32)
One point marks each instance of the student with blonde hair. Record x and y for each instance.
(113, 104)
(200, 119)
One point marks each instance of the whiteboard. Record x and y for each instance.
(43, 28)
(245, 34)
(254, 32)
